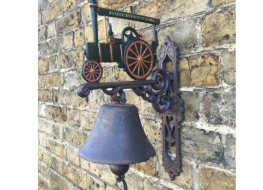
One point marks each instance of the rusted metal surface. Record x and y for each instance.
(175, 115)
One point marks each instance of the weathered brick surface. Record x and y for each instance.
(74, 174)
(51, 30)
(205, 32)
(229, 68)
(56, 113)
(192, 106)
(42, 182)
(216, 180)
(74, 136)
(146, 167)
(220, 108)
(72, 155)
(41, 33)
(219, 28)
(42, 65)
(56, 146)
(200, 70)
(52, 11)
(68, 22)
(230, 151)
(79, 37)
(58, 182)
(44, 95)
(215, 3)
(184, 33)
(201, 145)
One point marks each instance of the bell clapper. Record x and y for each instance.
(120, 170)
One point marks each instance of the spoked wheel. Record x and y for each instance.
(139, 59)
(91, 71)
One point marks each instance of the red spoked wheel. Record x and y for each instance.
(139, 59)
(91, 71)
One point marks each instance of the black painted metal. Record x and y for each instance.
(154, 90)
(120, 170)
(94, 19)
(129, 16)
(93, 2)
(163, 92)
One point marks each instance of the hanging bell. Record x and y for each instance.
(117, 139)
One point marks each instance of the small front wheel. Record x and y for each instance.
(91, 71)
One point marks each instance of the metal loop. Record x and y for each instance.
(119, 97)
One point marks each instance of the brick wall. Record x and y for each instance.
(205, 33)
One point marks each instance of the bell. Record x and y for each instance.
(117, 139)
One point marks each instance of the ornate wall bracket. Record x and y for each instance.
(162, 91)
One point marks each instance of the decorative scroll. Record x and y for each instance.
(157, 91)
(154, 90)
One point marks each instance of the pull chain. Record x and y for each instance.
(121, 178)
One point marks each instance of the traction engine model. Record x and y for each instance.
(131, 52)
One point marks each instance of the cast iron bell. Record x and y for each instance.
(117, 139)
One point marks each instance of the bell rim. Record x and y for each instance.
(114, 162)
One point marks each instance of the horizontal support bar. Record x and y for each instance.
(130, 16)
(122, 84)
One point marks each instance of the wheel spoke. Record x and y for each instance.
(144, 52)
(141, 49)
(145, 65)
(147, 61)
(142, 68)
(89, 76)
(147, 56)
(132, 58)
(133, 52)
(135, 67)
(132, 63)
(136, 49)
(138, 73)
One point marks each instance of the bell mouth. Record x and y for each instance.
(115, 161)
